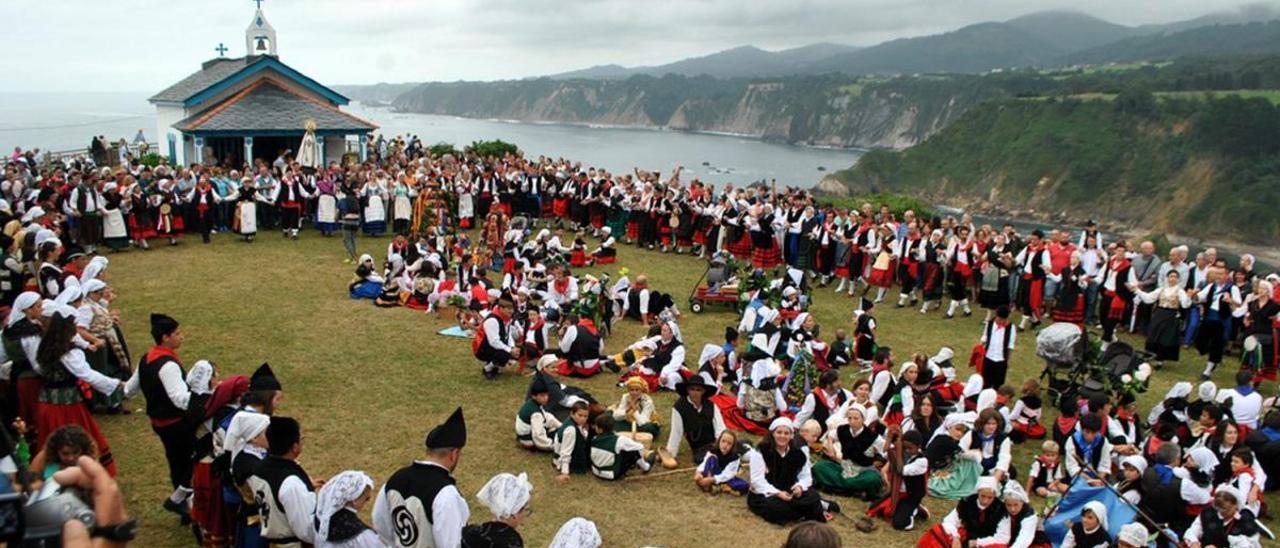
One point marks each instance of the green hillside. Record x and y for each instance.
(1206, 165)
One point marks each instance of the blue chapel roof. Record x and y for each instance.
(219, 74)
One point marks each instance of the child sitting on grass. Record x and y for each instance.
(535, 427)
(572, 446)
(718, 472)
(1047, 475)
(1026, 414)
(612, 456)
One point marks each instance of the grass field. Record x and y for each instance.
(367, 383)
(1269, 94)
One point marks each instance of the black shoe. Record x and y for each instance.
(948, 316)
(833, 506)
(968, 313)
(180, 508)
(1204, 377)
(611, 366)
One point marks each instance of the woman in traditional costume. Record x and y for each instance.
(852, 450)
(1163, 336)
(373, 194)
(115, 232)
(168, 220)
(327, 205)
(63, 367)
(338, 506)
(1072, 283)
(507, 497)
(246, 213)
(401, 205)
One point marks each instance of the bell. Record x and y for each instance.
(262, 44)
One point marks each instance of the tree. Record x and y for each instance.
(1136, 101)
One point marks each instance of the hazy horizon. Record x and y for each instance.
(388, 41)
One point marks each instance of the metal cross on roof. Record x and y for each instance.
(221, 49)
(259, 2)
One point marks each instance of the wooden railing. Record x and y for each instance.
(113, 153)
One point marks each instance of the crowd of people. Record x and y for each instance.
(502, 241)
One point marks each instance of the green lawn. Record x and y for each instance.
(367, 383)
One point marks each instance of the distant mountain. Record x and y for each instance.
(742, 61)
(1072, 31)
(975, 48)
(1250, 13)
(381, 93)
(1202, 41)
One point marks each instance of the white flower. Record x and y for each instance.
(1143, 374)
(1126, 378)
(1144, 368)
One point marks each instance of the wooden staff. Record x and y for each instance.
(1152, 522)
(660, 474)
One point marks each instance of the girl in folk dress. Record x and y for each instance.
(115, 232)
(327, 205)
(246, 213)
(63, 365)
(374, 194)
(401, 205)
(882, 265)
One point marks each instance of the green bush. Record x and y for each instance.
(152, 159)
(441, 149)
(898, 203)
(495, 148)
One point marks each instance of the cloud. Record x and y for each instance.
(142, 45)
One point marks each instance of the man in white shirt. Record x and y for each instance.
(999, 337)
(1245, 403)
(284, 492)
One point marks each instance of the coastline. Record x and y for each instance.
(639, 127)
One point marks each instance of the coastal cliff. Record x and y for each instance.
(834, 111)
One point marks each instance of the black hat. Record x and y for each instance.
(697, 380)
(264, 379)
(162, 325)
(538, 385)
(867, 304)
(453, 433)
(282, 433)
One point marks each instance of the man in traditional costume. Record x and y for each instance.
(284, 492)
(419, 506)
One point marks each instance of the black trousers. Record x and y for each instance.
(904, 513)
(775, 510)
(179, 445)
(994, 373)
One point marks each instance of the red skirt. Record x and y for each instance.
(207, 508)
(881, 278)
(140, 231)
(464, 223)
(651, 380)
(29, 403)
(1033, 431)
(734, 418)
(937, 537)
(700, 236)
(766, 257)
(52, 416)
(597, 220)
(1073, 315)
(560, 207)
(633, 230)
(664, 233)
(577, 258)
(742, 247)
(504, 207)
(606, 259)
(567, 369)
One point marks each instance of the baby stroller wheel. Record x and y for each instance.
(696, 306)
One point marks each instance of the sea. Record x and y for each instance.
(67, 121)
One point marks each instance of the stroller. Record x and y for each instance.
(1074, 369)
(721, 287)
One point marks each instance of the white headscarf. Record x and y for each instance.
(1099, 511)
(709, 352)
(767, 314)
(781, 422)
(798, 322)
(92, 285)
(577, 533)
(973, 385)
(902, 369)
(986, 399)
(68, 295)
(1133, 534)
(505, 494)
(1179, 390)
(1138, 463)
(244, 427)
(336, 494)
(24, 301)
(988, 482)
(198, 377)
(1014, 491)
(95, 267)
(1205, 459)
(1207, 391)
(45, 235)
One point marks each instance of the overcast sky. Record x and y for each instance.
(137, 45)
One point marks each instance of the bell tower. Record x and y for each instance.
(260, 37)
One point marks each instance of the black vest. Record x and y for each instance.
(274, 471)
(13, 336)
(1090, 540)
(854, 448)
(699, 426)
(979, 522)
(782, 472)
(420, 481)
(1213, 531)
(586, 345)
(159, 406)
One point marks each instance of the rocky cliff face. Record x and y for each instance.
(822, 111)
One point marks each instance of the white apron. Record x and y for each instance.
(466, 208)
(403, 208)
(113, 225)
(374, 211)
(248, 212)
(327, 209)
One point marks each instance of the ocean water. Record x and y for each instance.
(67, 121)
